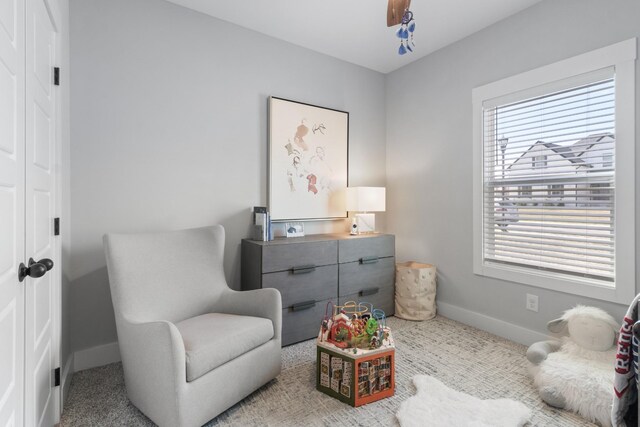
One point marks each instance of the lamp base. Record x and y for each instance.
(366, 223)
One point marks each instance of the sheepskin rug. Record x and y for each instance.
(589, 395)
(439, 405)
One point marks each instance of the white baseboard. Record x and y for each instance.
(110, 353)
(96, 356)
(65, 381)
(498, 327)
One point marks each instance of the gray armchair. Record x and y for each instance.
(190, 346)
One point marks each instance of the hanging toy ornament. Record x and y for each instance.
(411, 28)
(407, 27)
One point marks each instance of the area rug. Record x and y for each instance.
(462, 357)
(440, 405)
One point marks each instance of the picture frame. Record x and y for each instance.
(294, 229)
(308, 161)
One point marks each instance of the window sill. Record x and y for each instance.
(558, 282)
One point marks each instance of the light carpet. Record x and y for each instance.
(443, 406)
(462, 357)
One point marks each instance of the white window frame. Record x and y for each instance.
(622, 57)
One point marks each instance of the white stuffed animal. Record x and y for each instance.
(576, 373)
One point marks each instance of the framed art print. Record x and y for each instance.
(308, 161)
(294, 229)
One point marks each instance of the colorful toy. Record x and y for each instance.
(340, 333)
(372, 326)
(356, 354)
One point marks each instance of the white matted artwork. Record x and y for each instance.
(294, 229)
(308, 161)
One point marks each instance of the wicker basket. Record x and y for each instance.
(415, 291)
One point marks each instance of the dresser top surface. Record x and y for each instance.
(315, 238)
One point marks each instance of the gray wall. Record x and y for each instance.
(429, 145)
(169, 131)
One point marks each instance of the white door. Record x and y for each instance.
(12, 180)
(41, 346)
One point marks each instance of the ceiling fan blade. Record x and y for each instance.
(395, 10)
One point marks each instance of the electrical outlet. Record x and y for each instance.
(532, 302)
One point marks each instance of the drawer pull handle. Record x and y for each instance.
(303, 269)
(369, 260)
(303, 305)
(370, 291)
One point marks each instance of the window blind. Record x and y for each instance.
(549, 181)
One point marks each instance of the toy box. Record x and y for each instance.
(355, 355)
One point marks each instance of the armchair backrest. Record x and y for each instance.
(165, 276)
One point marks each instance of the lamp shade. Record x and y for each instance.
(366, 199)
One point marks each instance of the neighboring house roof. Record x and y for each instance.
(585, 144)
(571, 152)
(565, 151)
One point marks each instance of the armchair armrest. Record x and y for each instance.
(265, 303)
(155, 358)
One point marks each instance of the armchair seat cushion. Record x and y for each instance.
(213, 339)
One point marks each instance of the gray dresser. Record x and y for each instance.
(313, 270)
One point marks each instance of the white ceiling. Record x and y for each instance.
(356, 30)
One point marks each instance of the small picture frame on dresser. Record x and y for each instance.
(294, 229)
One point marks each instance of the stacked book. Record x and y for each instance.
(261, 224)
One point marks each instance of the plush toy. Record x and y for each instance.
(576, 372)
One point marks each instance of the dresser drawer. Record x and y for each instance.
(287, 256)
(383, 299)
(355, 277)
(313, 270)
(302, 322)
(357, 248)
(303, 285)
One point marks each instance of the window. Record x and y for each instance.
(539, 162)
(549, 146)
(556, 190)
(602, 192)
(525, 190)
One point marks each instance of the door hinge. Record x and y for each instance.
(56, 226)
(56, 76)
(56, 377)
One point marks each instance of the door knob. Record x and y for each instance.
(35, 269)
(44, 261)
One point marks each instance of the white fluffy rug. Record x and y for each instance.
(438, 405)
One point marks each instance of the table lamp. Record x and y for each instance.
(364, 200)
